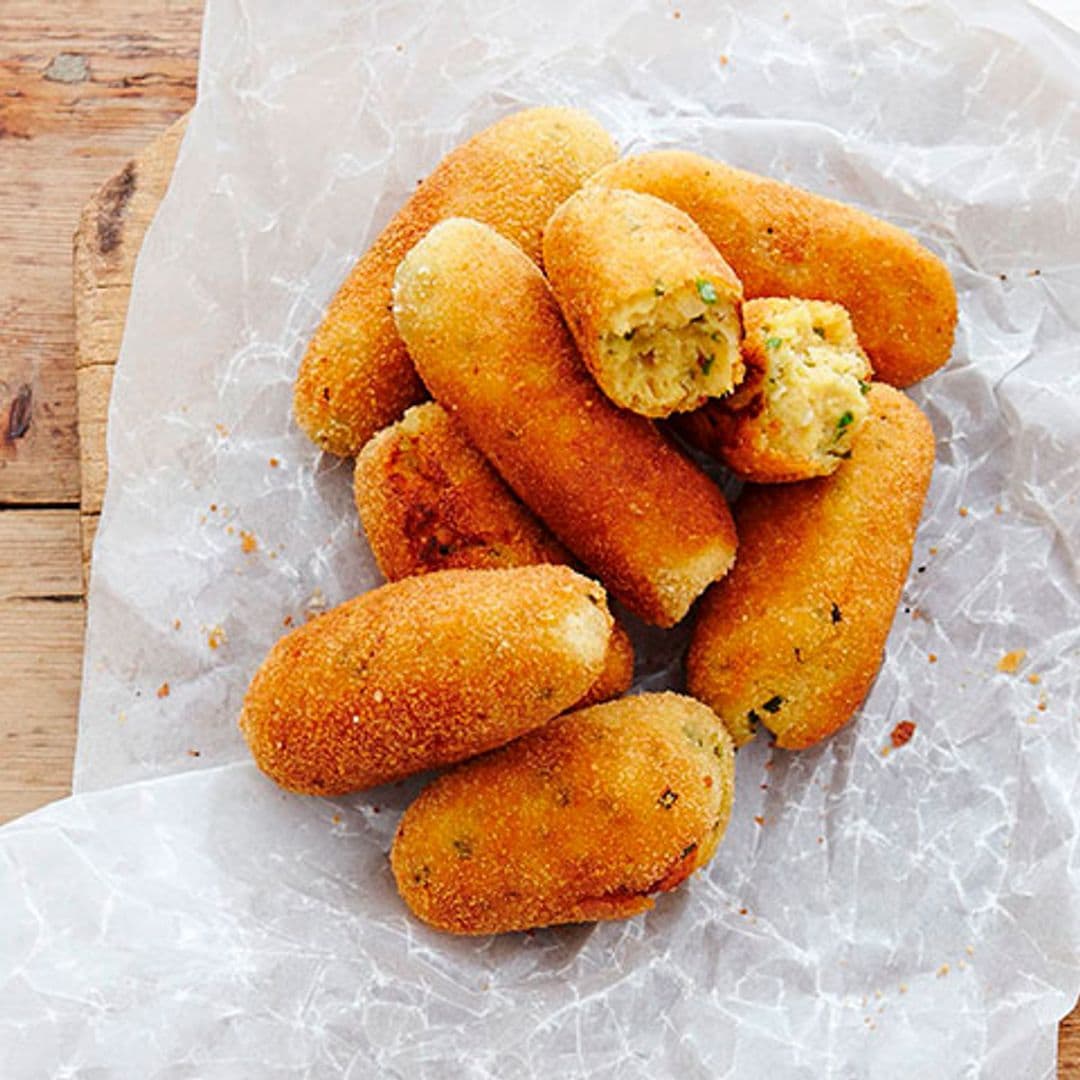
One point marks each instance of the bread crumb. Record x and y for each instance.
(743, 911)
(943, 971)
(248, 542)
(336, 819)
(760, 820)
(933, 551)
(163, 690)
(932, 658)
(903, 988)
(194, 753)
(901, 734)
(230, 530)
(287, 621)
(216, 637)
(963, 511)
(1011, 661)
(274, 463)
(969, 949)
(886, 750)
(1033, 719)
(723, 60)
(1041, 705)
(998, 509)
(213, 508)
(222, 430)
(1034, 679)
(176, 624)
(121, 717)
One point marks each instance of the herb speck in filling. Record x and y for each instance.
(706, 290)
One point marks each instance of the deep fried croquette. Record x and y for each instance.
(803, 399)
(429, 500)
(584, 819)
(356, 376)
(783, 241)
(487, 338)
(652, 305)
(794, 636)
(422, 673)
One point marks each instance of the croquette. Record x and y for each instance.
(803, 399)
(585, 819)
(486, 335)
(794, 636)
(356, 376)
(424, 672)
(652, 304)
(429, 500)
(783, 241)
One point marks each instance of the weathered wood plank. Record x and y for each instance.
(40, 670)
(39, 555)
(80, 91)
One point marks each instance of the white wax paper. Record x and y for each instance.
(904, 915)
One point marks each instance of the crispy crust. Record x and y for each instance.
(424, 672)
(747, 430)
(485, 333)
(795, 635)
(429, 500)
(783, 241)
(584, 819)
(356, 376)
(606, 249)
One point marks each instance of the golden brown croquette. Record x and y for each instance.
(584, 819)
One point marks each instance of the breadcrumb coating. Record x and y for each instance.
(652, 304)
(585, 819)
(486, 335)
(429, 500)
(794, 637)
(356, 376)
(422, 673)
(803, 399)
(783, 241)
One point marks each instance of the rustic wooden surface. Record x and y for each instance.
(76, 103)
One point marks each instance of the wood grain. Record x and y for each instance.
(58, 140)
(81, 87)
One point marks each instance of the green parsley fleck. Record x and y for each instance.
(864, 387)
(658, 289)
(844, 423)
(706, 290)
(706, 363)
(819, 331)
(773, 343)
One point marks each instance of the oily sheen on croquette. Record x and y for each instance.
(486, 335)
(356, 376)
(429, 500)
(587, 818)
(422, 673)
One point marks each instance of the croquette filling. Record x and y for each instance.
(669, 350)
(814, 382)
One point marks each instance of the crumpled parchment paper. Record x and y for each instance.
(874, 911)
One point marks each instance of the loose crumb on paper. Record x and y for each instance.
(163, 690)
(1011, 661)
(249, 544)
(943, 971)
(216, 636)
(902, 733)
(963, 511)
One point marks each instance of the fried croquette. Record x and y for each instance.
(356, 376)
(652, 305)
(794, 636)
(783, 241)
(582, 820)
(803, 399)
(429, 500)
(424, 672)
(487, 338)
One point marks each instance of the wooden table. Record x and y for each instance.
(82, 88)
